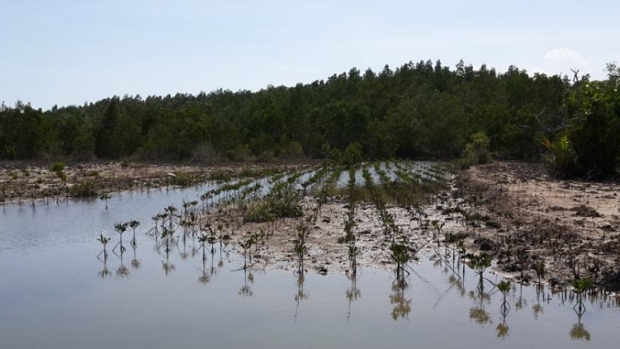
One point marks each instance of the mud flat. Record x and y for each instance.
(511, 211)
(521, 216)
(25, 182)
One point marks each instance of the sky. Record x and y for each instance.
(68, 52)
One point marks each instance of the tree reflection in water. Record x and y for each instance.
(538, 308)
(245, 289)
(353, 293)
(301, 294)
(402, 304)
(478, 312)
(579, 332)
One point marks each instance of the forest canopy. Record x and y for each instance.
(419, 110)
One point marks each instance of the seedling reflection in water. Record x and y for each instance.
(502, 328)
(402, 304)
(104, 241)
(353, 293)
(301, 294)
(134, 224)
(168, 236)
(120, 229)
(245, 289)
(580, 286)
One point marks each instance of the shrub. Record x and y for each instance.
(84, 189)
(281, 202)
(293, 150)
(259, 213)
(561, 158)
(220, 175)
(352, 154)
(476, 151)
(57, 167)
(182, 179)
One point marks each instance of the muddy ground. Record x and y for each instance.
(512, 211)
(522, 217)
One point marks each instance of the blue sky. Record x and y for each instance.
(68, 52)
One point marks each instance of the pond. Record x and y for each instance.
(56, 293)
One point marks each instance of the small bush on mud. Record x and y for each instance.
(57, 167)
(182, 179)
(477, 151)
(259, 213)
(85, 189)
(280, 203)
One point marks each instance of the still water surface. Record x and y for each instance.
(53, 295)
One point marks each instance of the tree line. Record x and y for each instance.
(419, 110)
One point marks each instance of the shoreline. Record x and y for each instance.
(512, 211)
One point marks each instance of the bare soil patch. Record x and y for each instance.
(516, 212)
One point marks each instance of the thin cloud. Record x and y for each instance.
(562, 60)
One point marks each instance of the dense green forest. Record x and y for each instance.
(419, 110)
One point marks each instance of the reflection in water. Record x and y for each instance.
(402, 304)
(167, 266)
(301, 294)
(135, 263)
(502, 328)
(104, 271)
(168, 239)
(478, 312)
(353, 293)
(104, 241)
(521, 302)
(579, 332)
(122, 269)
(538, 308)
(245, 289)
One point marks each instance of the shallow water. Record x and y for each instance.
(53, 295)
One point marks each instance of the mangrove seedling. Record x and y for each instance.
(437, 226)
(479, 263)
(120, 229)
(400, 255)
(134, 224)
(168, 236)
(104, 241)
(580, 286)
(105, 197)
(352, 249)
(202, 239)
(300, 247)
(539, 268)
(245, 245)
(504, 287)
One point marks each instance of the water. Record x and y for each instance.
(52, 295)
